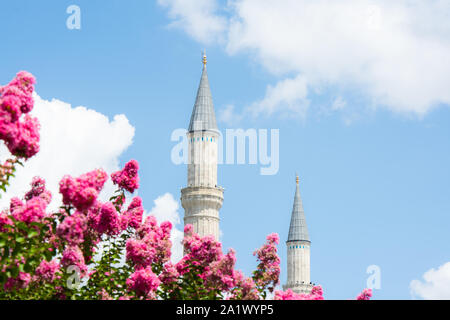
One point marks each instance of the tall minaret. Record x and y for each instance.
(298, 249)
(202, 198)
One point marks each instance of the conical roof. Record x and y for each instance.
(298, 230)
(203, 115)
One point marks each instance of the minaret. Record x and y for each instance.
(298, 249)
(202, 198)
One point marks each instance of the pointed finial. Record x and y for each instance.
(204, 58)
(296, 178)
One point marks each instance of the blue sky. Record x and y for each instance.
(374, 171)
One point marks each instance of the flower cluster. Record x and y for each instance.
(38, 190)
(82, 192)
(144, 282)
(366, 294)
(21, 136)
(127, 178)
(73, 256)
(47, 271)
(104, 219)
(152, 244)
(33, 210)
(316, 294)
(267, 275)
(199, 252)
(132, 217)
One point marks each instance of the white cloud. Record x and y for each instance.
(74, 140)
(197, 17)
(435, 284)
(287, 96)
(338, 104)
(228, 115)
(394, 53)
(166, 209)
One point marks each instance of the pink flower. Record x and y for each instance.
(169, 275)
(82, 192)
(72, 256)
(268, 271)
(133, 215)
(366, 294)
(127, 178)
(21, 87)
(220, 274)
(10, 108)
(317, 291)
(20, 282)
(104, 295)
(22, 138)
(104, 219)
(47, 270)
(245, 288)
(73, 228)
(4, 221)
(273, 238)
(32, 211)
(157, 238)
(38, 190)
(143, 282)
(140, 253)
(316, 294)
(200, 251)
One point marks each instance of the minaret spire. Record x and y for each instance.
(298, 231)
(203, 198)
(298, 248)
(203, 115)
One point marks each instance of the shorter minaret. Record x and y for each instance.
(298, 249)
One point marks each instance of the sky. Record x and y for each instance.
(358, 90)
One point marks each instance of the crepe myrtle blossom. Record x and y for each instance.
(267, 274)
(143, 282)
(18, 130)
(16, 283)
(151, 245)
(82, 192)
(73, 228)
(47, 271)
(73, 256)
(169, 274)
(366, 294)
(31, 211)
(245, 288)
(38, 190)
(104, 219)
(132, 217)
(127, 178)
(316, 294)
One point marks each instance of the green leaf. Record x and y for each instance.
(32, 233)
(20, 239)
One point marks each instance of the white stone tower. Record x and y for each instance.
(298, 249)
(202, 198)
